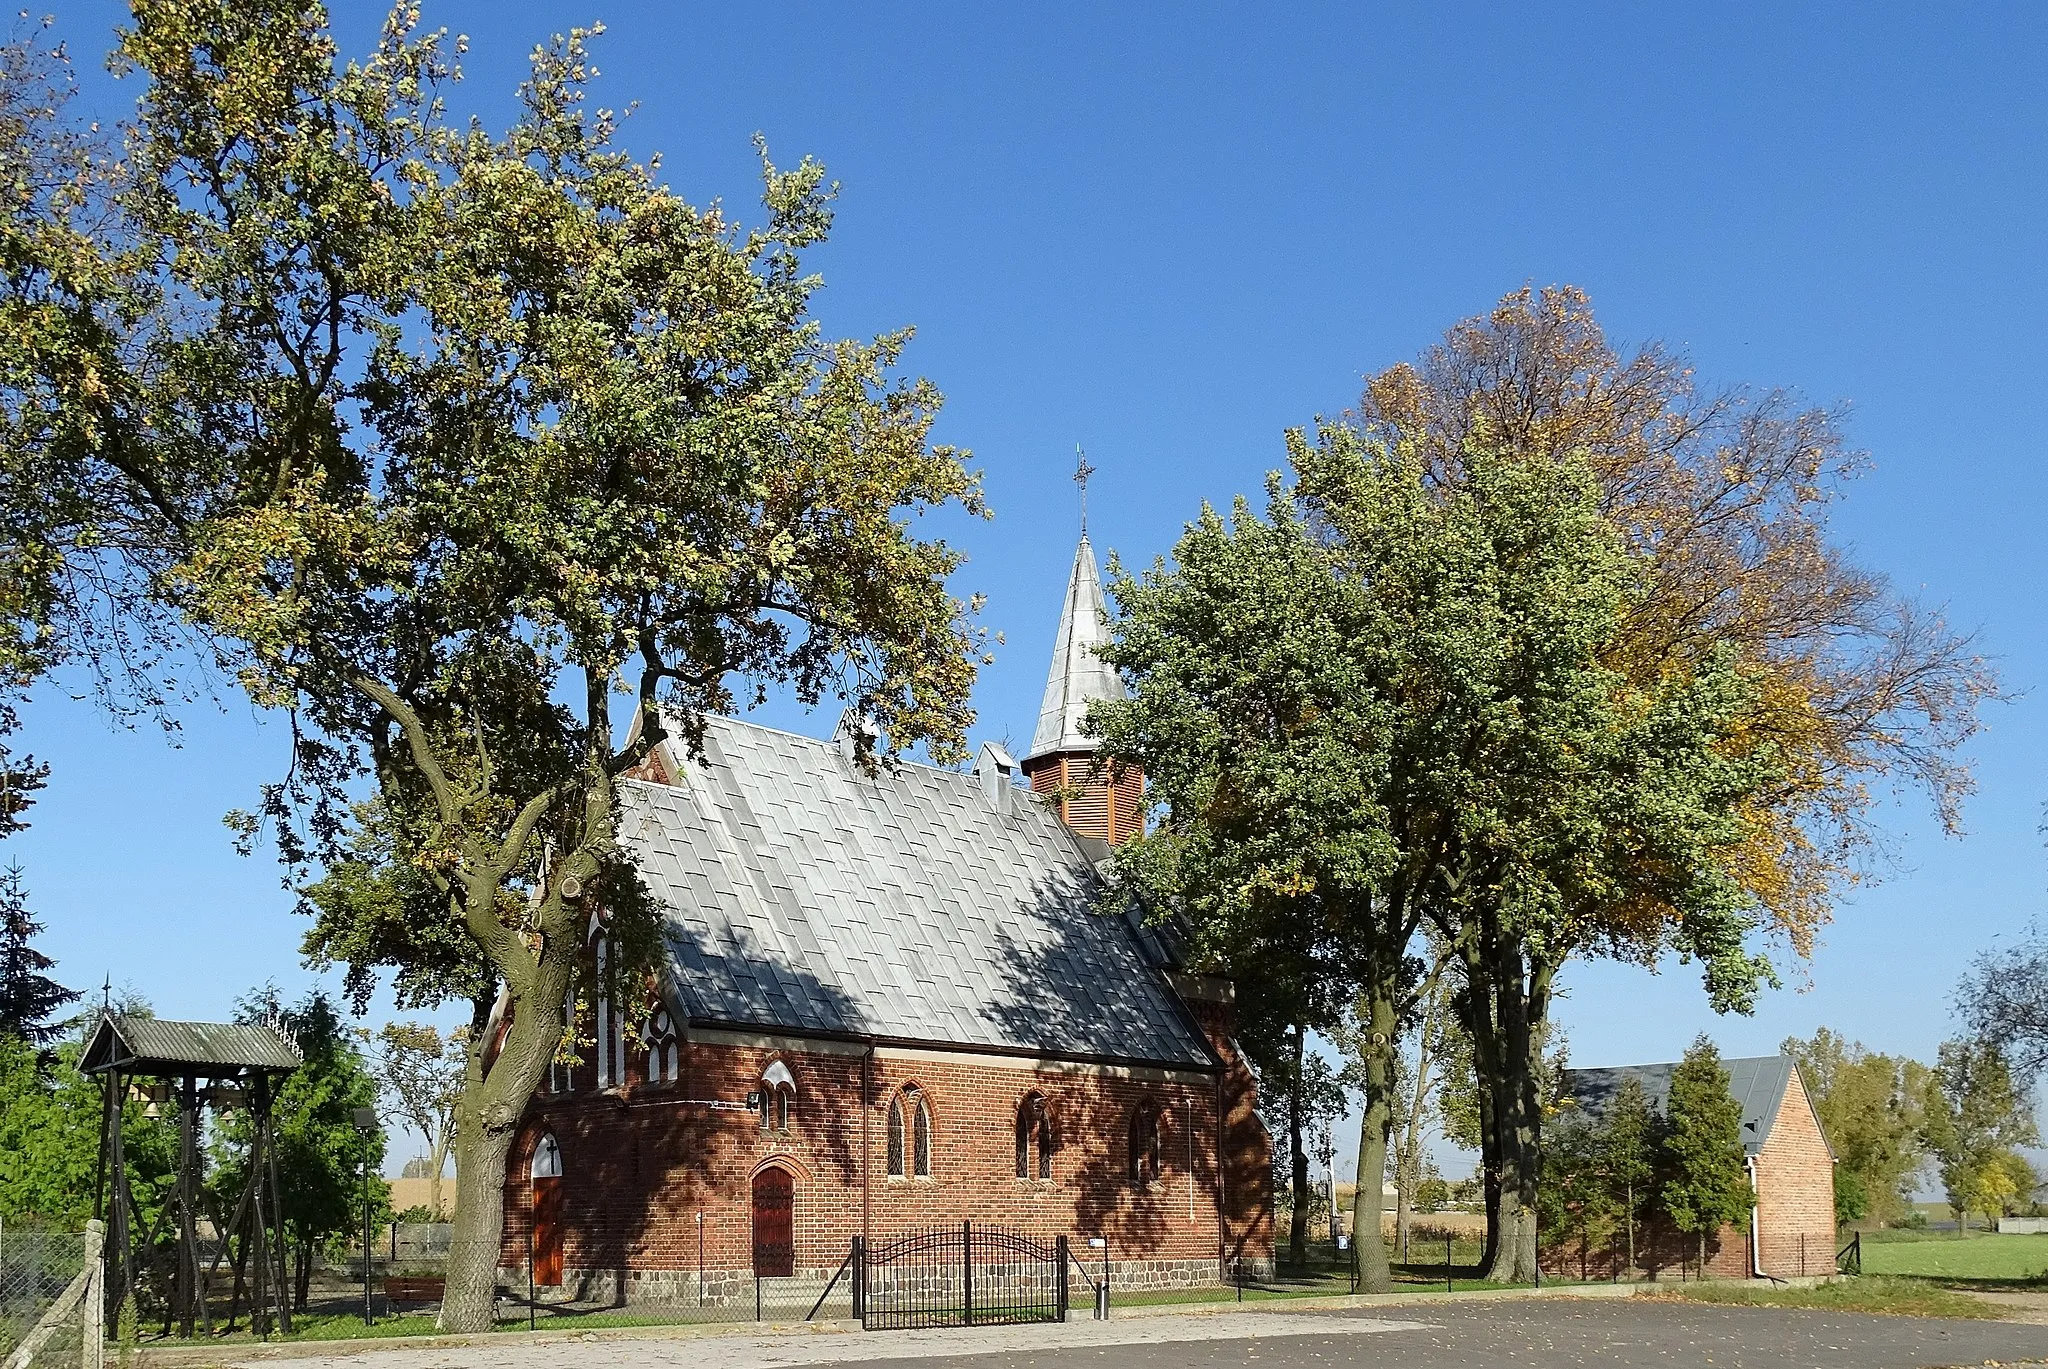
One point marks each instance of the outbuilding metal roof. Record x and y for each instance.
(150, 1045)
(915, 905)
(1758, 1083)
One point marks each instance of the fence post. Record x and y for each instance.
(94, 1334)
(1061, 1291)
(757, 1294)
(1447, 1262)
(860, 1279)
(967, 1272)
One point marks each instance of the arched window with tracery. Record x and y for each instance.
(664, 1051)
(920, 1136)
(778, 1097)
(1034, 1138)
(1145, 1145)
(896, 1143)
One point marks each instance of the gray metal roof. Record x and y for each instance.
(1078, 676)
(146, 1045)
(806, 896)
(1757, 1082)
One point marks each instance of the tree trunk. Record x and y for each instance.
(486, 1121)
(1629, 1216)
(1297, 1235)
(437, 1158)
(1518, 1060)
(1403, 1181)
(1374, 1273)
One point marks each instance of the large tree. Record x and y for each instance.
(1870, 1106)
(1973, 1115)
(453, 445)
(1721, 498)
(1389, 697)
(1545, 800)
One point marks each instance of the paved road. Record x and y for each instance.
(1513, 1335)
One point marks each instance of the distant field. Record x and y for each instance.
(1975, 1256)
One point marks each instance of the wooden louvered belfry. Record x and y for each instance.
(184, 1067)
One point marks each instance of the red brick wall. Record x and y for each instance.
(641, 1163)
(1795, 1181)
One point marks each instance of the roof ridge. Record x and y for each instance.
(829, 744)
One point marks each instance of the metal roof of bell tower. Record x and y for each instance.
(1078, 676)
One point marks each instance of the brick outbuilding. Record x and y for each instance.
(891, 1002)
(1792, 1173)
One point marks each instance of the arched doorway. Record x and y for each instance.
(546, 1173)
(774, 1223)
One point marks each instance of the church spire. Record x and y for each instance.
(1078, 676)
(1095, 801)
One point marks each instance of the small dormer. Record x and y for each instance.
(856, 736)
(996, 769)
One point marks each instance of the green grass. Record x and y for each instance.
(1890, 1296)
(1984, 1260)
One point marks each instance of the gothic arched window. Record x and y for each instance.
(664, 1053)
(896, 1138)
(920, 1136)
(1145, 1145)
(547, 1158)
(778, 1097)
(1034, 1138)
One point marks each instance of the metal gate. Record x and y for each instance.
(965, 1276)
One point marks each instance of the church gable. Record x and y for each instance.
(910, 905)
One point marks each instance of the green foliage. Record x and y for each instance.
(1631, 1143)
(451, 445)
(320, 1153)
(1870, 1107)
(29, 998)
(1705, 1185)
(1578, 1207)
(50, 1118)
(1973, 1115)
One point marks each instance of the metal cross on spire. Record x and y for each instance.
(1082, 470)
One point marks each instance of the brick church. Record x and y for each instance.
(890, 1003)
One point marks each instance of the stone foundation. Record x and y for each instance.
(735, 1288)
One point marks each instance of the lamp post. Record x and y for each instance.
(366, 1125)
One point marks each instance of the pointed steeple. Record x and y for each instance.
(1094, 802)
(1078, 676)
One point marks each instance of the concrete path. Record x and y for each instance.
(1082, 1338)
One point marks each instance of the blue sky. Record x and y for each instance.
(1169, 232)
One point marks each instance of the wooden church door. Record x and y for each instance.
(547, 1213)
(774, 1224)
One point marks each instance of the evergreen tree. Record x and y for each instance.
(1629, 1144)
(1706, 1185)
(29, 998)
(1576, 1204)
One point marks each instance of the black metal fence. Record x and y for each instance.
(966, 1276)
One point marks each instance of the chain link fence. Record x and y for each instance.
(41, 1273)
